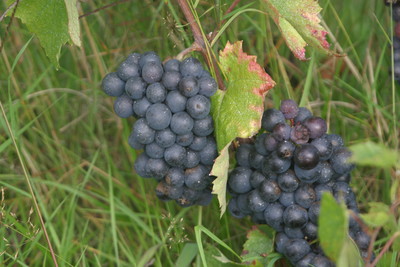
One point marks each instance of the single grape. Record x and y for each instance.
(296, 249)
(196, 178)
(313, 212)
(165, 138)
(285, 149)
(256, 179)
(269, 191)
(255, 202)
(175, 177)
(293, 233)
(321, 261)
(234, 210)
(270, 118)
(289, 109)
(184, 139)
(243, 155)
(123, 106)
(273, 216)
(300, 134)
(323, 146)
(308, 176)
(152, 72)
(175, 101)
(239, 180)
(320, 189)
(171, 79)
(326, 173)
(306, 260)
(157, 168)
(305, 196)
(286, 199)
(259, 144)
(149, 57)
(208, 86)
(288, 181)
(276, 164)
(295, 216)
(281, 131)
(140, 107)
(281, 240)
(188, 86)
(340, 161)
(134, 142)
(112, 85)
(209, 152)
(153, 150)
(156, 93)
(306, 156)
(256, 160)
(181, 123)
(133, 58)
(335, 140)
(198, 143)
(203, 127)
(135, 87)
(128, 70)
(142, 132)
(191, 67)
(270, 142)
(317, 126)
(172, 65)
(198, 106)
(302, 115)
(158, 116)
(140, 165)
(192, 159)
(175, 155)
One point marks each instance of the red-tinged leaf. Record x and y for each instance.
(300, 25)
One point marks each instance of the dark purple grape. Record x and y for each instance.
(152, 72)
(156, 93)
(234, 210)
(335, 140)
(306, 156)
(288, 181)
(289, 109)
(323, 146)
(320, 189)
(172, 65)
(198, 143)
(273, 216)
(321, 261)
(281, 132)
(208, 86)
(286, 199)
(296, 249)
(184, 139)
(302, 115)
(306, 260)
(281, 240)
(256, 179)
(256, 160)
(326, 173)
(255, 202)
(197, 178)
(142, 132)
(134, 143)
(295, 216)
(316, 126)
(153, 150)
(209, 152)
(285, 149)
(175, 101)
(148, 57)
(203, 127)
(243, 155)
(175, 155)
(181, 123)
(293, 233)
(259, 144)
(270, 118)
(133, 58)
(276, 164)
(175, 177)
(305, 196)
(308, 176)
(269, 191)
(165, 138)
(340, 161)
(171, 79)
(198, 107)
(140, 165)
(300, 134)
(192, 159)
(127, 70)
(270, 142)
(313, 212)
(157, 168)
(140, 107)
(158, 116)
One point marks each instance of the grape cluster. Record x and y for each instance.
(396, 40)
(279, 181)
(171, 102)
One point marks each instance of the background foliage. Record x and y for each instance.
(97, 212)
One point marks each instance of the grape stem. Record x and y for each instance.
(202, 43)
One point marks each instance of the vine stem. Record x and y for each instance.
(28, 181)
(200, 42)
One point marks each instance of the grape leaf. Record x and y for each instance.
(257, 246)
(220, 170)
(299, 23)
(349, 256)
(53, 22)
(237, 111)
(376, 155)
(332, 226)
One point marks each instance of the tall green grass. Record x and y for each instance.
(96, 210)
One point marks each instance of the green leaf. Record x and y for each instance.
(220, 169)
(53, 22)
(378, 214)
(332, 226)
(257, 246)
(299, 23)
(189, 252)
(73, 22)
(237, 111)
(216, 258)
(148, 255)
(373, 154)
(349, 256)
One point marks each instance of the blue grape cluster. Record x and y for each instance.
(280, 178)
(171, 103)
(396, 41)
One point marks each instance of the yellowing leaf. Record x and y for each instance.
(220, 169)
(299, 23)
(237, 111)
